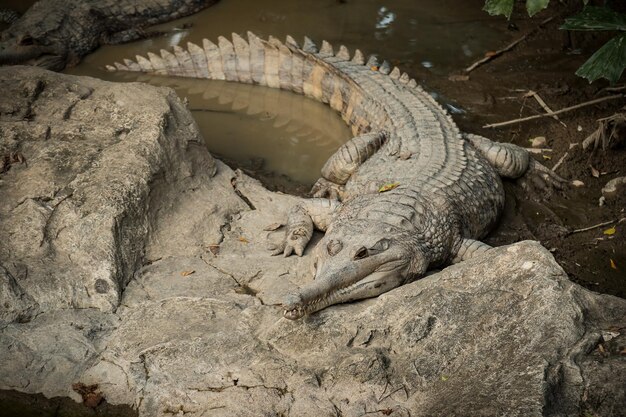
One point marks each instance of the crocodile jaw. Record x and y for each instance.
(325, 292)
(48, 58)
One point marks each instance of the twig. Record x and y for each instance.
(506, 48)
(538, 150)
(565, 155)
(616, 88)
(595, 226)
(564, 110)
(543, 104)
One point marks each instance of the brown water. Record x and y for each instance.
(280, 132)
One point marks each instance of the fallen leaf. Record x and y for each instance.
(595, 173)
(613, 265)
(578, 183)
(243, 240)
(546, 157)
(187, 273)
(374, 68)
(601, 348)
(215, 249)
(458, 77)
(444, 377)
(386, 411)
(273, 226)
(538, 142)
(388, 187)
(610, 231)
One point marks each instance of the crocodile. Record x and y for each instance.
(407, 193)
(54, 34)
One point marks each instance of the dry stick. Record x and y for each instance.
(565, 155)
(544, 105)
(566, 109)
(506, 48)
(538, 150)
(584, 229)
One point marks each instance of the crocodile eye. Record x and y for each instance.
(361, 253)
(26, 40)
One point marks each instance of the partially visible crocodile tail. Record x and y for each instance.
(270, 63)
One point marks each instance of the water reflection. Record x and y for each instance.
(263, 129)
(383, 23)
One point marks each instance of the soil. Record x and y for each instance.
(546, 63)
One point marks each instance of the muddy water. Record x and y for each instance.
(272, 131)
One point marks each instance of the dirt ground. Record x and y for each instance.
(545, 62)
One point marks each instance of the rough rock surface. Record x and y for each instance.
(80, 159)
(197, 330)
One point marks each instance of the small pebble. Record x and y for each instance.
(578, 183)
(614, 188)
(538, 142)
(601, 201)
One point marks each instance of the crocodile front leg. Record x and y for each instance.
(314, 212)
(343, 163)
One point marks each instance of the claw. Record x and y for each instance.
(542, 179)
(326, 189)
(276, 249)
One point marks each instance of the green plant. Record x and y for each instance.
(607, 62)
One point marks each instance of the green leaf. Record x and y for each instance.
(596, 18)
(608, 62)
(496, 7)
(535, 6)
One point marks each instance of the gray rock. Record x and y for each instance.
(191, 322)
(86, 155)
(505, 333)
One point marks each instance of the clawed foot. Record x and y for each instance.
(539, 179)
(326, 189)
(299, 232)
(294, 241)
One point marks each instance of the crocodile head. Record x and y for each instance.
(40, 37)
(356, 259)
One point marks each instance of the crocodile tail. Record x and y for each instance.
(320, 73)
(270, 63)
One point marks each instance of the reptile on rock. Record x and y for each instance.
(409, 192)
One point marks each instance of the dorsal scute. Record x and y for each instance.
(326, 49)
(309, 46)
(343, 53)
(358, 57)
(291, 42)
(384, 67)
(372, 63)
